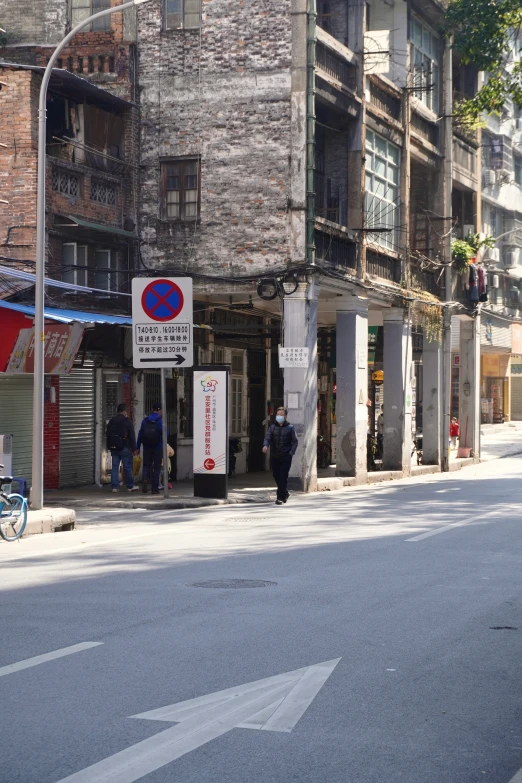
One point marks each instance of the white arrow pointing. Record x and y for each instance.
(273, 704)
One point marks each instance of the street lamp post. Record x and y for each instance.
(39, 320)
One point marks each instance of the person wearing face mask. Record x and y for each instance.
(282, 442)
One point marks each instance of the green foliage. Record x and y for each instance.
(461, 252)
(486, 33)
(464, 249)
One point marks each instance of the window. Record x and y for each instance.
(74, 263)
(103, 192)
(382, 200)
(517, 161)
(106, 265)
(424, 64)
(182, 14)
(81, 9)
(236, 422)
(181, 189)
(68, 184)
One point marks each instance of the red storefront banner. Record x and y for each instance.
(61, 346)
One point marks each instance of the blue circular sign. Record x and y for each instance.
(162, 300)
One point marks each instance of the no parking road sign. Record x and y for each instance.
(162, 322)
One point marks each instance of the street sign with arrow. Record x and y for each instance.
(162, 322)
(273, 704)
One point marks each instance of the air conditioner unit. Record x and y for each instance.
(495, 281)
(492, 255)
(468, 228)
(511, 259)
(490, 177)
(6, 455)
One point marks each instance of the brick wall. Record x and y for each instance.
(18, 162)
(222, 94)
(104, 57)
(52, 437)
(34, 22)
(18, 182)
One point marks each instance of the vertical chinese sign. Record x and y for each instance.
(211, 432)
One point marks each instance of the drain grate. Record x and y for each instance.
(502, 628)
(233, 584)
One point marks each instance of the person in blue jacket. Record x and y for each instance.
(150, 437)
(282, 441)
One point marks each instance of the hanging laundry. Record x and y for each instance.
(482, 285)
(473, 291)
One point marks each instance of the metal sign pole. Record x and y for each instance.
(164, 432)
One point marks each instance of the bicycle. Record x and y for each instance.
(13, 512)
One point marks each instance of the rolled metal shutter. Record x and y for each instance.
(16, 418)
(77, 426)
(516, 399)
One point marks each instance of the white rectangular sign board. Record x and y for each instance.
(293, 357)
(162, 322)
(210, 422)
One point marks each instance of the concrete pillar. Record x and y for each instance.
(352, 387)
(469, 385)
(432, 402)
(397, 390)
(300, 330)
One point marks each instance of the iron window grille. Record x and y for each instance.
(103, 193)
(66, 183)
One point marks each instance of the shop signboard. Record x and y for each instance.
(210, 431)
(62, 342)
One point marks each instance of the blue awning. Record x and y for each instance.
(70, 316)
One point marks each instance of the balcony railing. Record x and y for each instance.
(383, 266)
(330, 249)
(385, 102)
(427, 281)
(335, 66)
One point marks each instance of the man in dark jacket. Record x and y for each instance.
(282, 441)
(121, 442)
(150, 437)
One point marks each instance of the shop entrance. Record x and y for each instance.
(495, 393)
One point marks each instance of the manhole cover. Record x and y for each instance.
(230, 584)
(502, 628)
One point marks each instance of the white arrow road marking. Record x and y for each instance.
(51, 656)
(273, 704)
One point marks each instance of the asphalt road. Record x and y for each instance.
(415, 586)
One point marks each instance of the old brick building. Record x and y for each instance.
(292, 158)
(91, 252)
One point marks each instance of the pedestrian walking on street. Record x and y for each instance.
(121, 442)
(282, 441)
(150, 437)
(454, 431)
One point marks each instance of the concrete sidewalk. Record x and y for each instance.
(498, 440)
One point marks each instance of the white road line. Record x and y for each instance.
(51, 656)
(462, 523)
(517, 778)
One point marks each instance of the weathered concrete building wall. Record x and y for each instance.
(34, 21)
(105, 57)
(221, 94)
